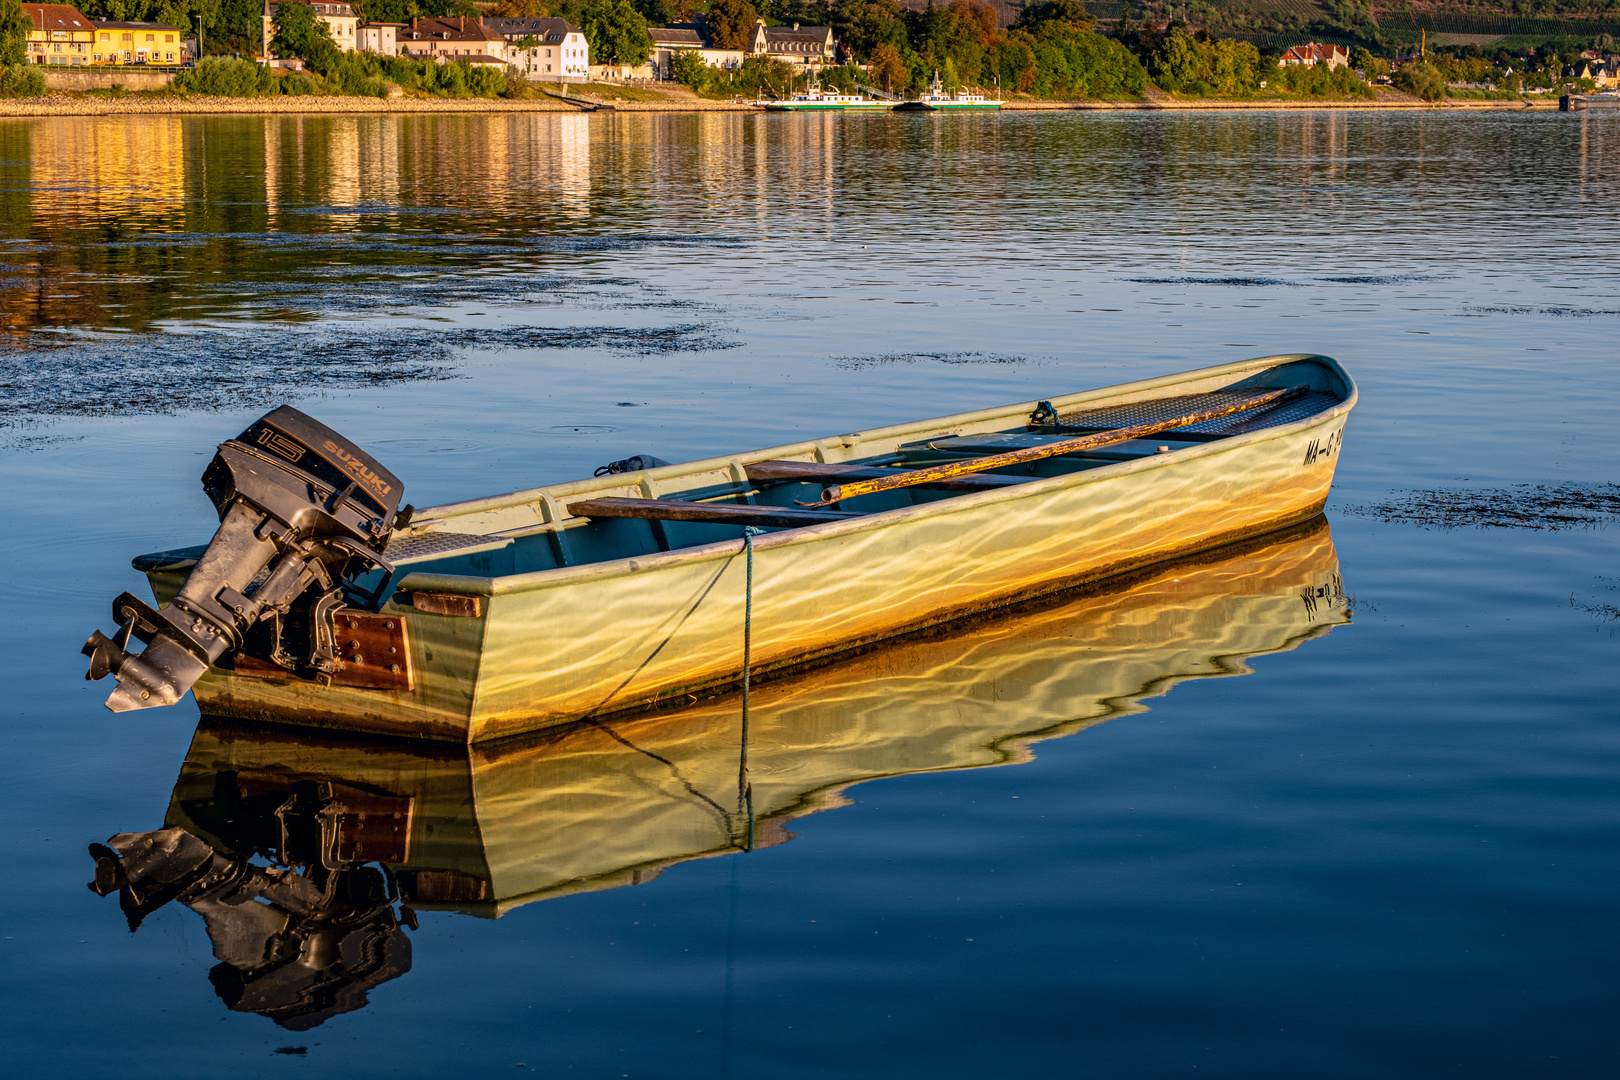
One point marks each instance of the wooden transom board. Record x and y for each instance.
(373, 653)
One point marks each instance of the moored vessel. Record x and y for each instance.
(935, 99)
(814, 99)
(539, 607)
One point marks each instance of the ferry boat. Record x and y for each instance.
(814, 99)
(937, 100)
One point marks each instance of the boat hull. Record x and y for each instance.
(923, 106)
(876, 106)
(551, 646)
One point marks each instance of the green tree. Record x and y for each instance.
(1178, 63)
(1421, 80)
(1072, 12)
(731, 23)
(14, 27)
(1016, 63)
(863, 25)
(689, 69)
(1375, 67)
(299, 33)
(617, 33)
(1234, 68)
(656, 12)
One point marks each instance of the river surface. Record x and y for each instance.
(1343, 803)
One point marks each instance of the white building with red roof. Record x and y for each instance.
(1312, 54)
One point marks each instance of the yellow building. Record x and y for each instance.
(339, 18)
(58, 34)
(139, 43)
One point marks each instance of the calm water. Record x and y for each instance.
(1339, 804)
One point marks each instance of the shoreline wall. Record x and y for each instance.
(130, 78)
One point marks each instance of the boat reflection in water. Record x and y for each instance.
(359, 836)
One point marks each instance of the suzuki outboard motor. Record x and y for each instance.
(303, 512)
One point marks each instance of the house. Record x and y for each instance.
(452, 37)
(1333, 56)
(380, 38)
(341, 22)
(1603, 73)
(809, 46)
(552, 50)
(667, 41)
(57, 34)
(139, 43)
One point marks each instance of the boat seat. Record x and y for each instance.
(815, 471)
(781, 517)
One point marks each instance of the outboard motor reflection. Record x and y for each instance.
(303, 514)
(301, 940)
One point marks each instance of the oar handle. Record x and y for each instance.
(912, 477)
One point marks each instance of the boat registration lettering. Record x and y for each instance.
(1323, 448)
(358, 468)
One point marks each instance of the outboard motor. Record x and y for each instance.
(303, 513)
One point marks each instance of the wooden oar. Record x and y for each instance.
(934, 473)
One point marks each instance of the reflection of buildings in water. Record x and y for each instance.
(1318, 142)
(804, 156)
(111, 176)
(343, 152)
(573, 164)
(85, 172)
(760, 130)
(378, 138)
(361, 834)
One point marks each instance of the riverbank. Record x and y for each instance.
(85, 104)
(1272, 105)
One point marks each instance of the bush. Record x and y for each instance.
(450, 79)
(1319, 82)
(690, 70)
(297, 85)
(519, 88)
(351, 74)
(486, 81)
(226, 76)
(1421, 80)
(21, 80)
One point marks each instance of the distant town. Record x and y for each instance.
(1053, 49)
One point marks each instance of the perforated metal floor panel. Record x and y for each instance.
(435, 543)
(1147, 412)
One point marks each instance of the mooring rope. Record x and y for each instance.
(745, 790)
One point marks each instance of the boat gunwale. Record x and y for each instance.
(556, 577)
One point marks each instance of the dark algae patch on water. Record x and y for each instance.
(1547, 507)
(207, 369)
